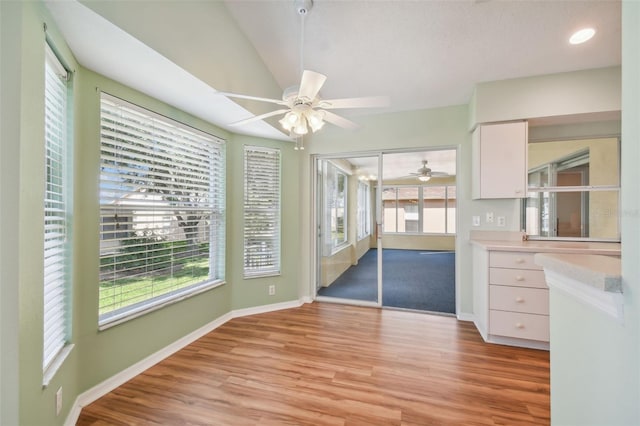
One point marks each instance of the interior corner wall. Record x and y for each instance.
(630, 196)
(439, 127)
(251, 292)
(10, 106)
(577, 92)
(23, 220)
(230, 63)
(106, 353)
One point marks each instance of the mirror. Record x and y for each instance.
(573, 186)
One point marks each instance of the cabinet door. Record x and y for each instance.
(500, 160)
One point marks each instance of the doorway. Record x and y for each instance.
(386, 227)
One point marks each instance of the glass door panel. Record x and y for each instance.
(347, 255)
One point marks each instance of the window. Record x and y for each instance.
(419, 209)
(261, 211)
(57, 207)
(364, 210)
(439, 209)
(573, 190)
(336, 193)
(162, 211)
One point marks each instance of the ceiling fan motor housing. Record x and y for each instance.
(303, 6)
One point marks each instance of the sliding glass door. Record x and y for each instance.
(348, 267)
(386, 229)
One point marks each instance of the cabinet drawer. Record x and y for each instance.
(516, 260)
(519, 325)
(517, 277)
(519, 299)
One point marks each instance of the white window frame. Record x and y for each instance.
(262, 211)
(331, 190)
(183, 194)
(364, 210)
(421, 209)
(57, 217)
(546, 194)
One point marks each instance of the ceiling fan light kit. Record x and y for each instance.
(424, 173)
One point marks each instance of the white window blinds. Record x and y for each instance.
(162, 210)
(261, 211)
(56, 210)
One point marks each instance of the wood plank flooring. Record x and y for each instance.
(329, 364)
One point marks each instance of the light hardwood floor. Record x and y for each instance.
(328, 364)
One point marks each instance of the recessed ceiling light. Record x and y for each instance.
(582, 35)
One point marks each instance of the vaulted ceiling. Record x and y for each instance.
(422, 54)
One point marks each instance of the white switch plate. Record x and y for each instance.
(489, 217)
(502, 221)
(476, 220)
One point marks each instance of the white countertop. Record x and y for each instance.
(536, 246)
(601, 272)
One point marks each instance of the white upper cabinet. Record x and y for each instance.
(499, 164)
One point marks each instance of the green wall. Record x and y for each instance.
(10, 105)
(96, 355)
(254, 292)
(595, 374)
(631, 193)
(577, 92)
(99, 355)
(431, 128)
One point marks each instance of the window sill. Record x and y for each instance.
(55, 365)
(339, 248)
(145, 308)
(262, 275)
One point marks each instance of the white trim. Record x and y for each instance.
(139, 367)
(266, 308)
(522, 343)
(353, 302)
(57, 362)
(611, 303)
(466, 317)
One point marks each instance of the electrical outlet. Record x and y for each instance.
(476, 220)
(272, 289)
(502, 221)
(489, 217)
(58, 401)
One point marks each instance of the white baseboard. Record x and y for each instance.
(266, 308)
(129, 373)
(466, 317)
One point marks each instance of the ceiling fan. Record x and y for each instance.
(424, 173)
(303, 108)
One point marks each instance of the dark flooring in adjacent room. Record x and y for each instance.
(411, 279)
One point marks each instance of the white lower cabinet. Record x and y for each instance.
(512, 299)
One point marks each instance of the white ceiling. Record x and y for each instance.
(422, 54)
(426, 54)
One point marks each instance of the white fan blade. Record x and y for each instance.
(259, 117)
(440, 174)
(253, 98)
(339, 121)
(366, 102)
(311, 84)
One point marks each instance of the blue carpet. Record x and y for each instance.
(411, 279)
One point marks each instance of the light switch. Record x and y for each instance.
(476, 220)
